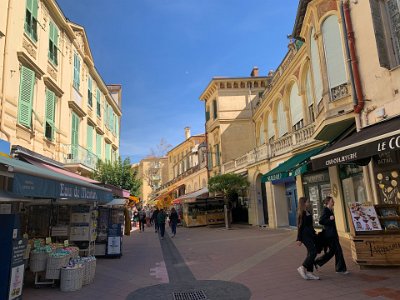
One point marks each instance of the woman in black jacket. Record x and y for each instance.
(306, 235)
(332, 238)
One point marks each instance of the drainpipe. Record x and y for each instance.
(3, 98)
(358, 107)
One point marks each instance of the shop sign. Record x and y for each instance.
(379, 248)
(17, 269)
(37, 187)
(314, 178)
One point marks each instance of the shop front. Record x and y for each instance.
(368, 164)
(55, 217)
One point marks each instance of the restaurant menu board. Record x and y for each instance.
(364, 217)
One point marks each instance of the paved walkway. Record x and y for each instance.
(210, 263)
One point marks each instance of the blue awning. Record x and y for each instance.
(36, 182)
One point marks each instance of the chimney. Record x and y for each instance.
(254, 72)
(187, 132)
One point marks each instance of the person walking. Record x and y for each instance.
(148, 216)
(306, 236)
(154, 219)
(327, 219)
(161, 216)
(173, 221)
(142, 219)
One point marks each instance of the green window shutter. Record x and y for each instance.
(50, 114)
(75, 135)
(90, 91)
(117, 128)
(98, 103)
(106, 114)
(109, 117)
(215, 109)
(77, 70)
(98, 145)
(90, 138)
(26, 96)
(217, 158)
(53, 43)
(108, 152)
(35, 8)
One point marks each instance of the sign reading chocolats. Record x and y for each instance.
(355, 151)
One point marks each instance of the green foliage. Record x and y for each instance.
(228, 184)
(118, 173)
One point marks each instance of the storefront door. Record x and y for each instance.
(291, 198)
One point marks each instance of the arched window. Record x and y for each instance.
(296, 108)
(309, 96)
(316, 67)
(261, 137)
(334, 56)
(282, 125)
(270, 129)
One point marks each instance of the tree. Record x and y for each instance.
(229, 185)
(118, 173)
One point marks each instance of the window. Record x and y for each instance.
(98, 145)
(261, 134)
(98, 103)
(215, 112)
(108, 152)
(75, 135)
(316, 67)
(31, 19)
(337, 78)
(386, 21)
(89, 142)
(210, 159)
(282, 125)
(296, 107)
(53, 43)
(270, 129)
(77, 71)
(310, 99)
(207, 115)
(27, 83)
(217, 155)
(90, 91)
(50, 114)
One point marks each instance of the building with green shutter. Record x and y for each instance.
(53, 100)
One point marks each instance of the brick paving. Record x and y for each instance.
(263, 260)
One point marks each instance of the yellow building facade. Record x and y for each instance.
(53, 100)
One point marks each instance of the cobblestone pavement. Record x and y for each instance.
(260, 263)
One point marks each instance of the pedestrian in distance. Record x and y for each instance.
(154, 219)
(331, 236)
(161, 216)
(142, 219)
(148, 216)
(173, 221)
(306, 235)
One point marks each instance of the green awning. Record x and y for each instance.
(292, 167)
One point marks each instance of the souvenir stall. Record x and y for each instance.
(59, 222)
(198, 209)
(370, 156)
(111, 220)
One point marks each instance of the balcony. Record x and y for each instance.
(299, 138)
(75, 154)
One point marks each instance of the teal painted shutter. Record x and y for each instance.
(117, 127)
(90, 91)
(109, 117)
(53, 43)
(105, 113)
(50, 112)
(75, 135)
(51, 33)
(90, 138)
(98, 102)
(98, 145)
(26, 96)
(77, 70)
(108, 152)
(34, 19)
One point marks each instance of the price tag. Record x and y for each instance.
(48, 240)
(66, 243)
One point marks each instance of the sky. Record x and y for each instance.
(164, 53)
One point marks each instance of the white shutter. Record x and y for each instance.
(296, 105)
(333, 52)
(282, 125)
(316, 67)
(270, 128)
(310, 100)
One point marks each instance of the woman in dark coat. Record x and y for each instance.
(306, 235)
(332, 239)
(173, 221)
